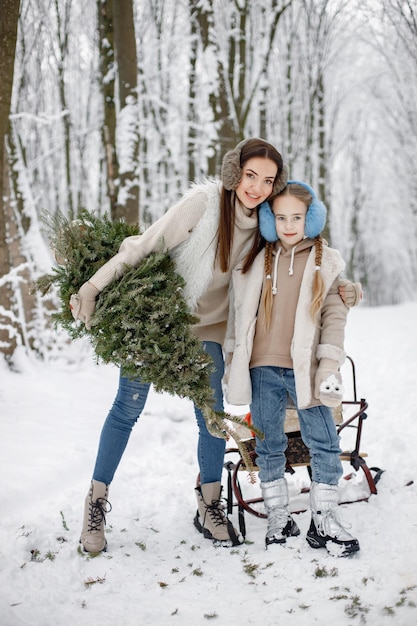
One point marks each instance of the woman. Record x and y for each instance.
(212, 227)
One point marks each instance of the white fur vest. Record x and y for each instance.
(194, 258)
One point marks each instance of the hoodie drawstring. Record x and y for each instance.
(275, 272)
(291, 270)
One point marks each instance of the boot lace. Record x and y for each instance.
(216, 513)
(97, 513)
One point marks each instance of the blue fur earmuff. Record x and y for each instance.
(266, 219)
(315, 216)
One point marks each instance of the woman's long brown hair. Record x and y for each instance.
(251, 149)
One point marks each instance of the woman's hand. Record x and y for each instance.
(83, 303)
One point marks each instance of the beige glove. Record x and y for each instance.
(83, 303)
(328, 387)
(351, 293)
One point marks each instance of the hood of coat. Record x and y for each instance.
(304, 244)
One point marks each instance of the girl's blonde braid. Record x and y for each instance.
(318, 284)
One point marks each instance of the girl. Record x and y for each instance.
(211, 228)
(286, 333)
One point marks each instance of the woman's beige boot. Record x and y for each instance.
(211, 519)
(96, 507)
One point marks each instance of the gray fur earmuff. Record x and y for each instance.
(231, 173)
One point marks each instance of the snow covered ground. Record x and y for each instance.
(158, 569)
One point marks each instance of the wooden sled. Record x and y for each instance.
(349, 417)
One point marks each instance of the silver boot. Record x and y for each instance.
(96, 507)
(280, 523)
(326, 530)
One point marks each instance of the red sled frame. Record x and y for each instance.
(355, 457)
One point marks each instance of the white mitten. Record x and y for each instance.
(332, 390)
(328, 384)
(83, 303)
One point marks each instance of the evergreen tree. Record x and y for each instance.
(142, 322)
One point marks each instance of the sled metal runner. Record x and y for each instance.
(297, 455)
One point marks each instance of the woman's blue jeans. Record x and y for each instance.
(127, 408)
(270, 386)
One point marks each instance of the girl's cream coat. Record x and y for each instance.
(310, 342)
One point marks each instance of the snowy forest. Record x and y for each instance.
(117, 105)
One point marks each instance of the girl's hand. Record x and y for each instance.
(328, 387)
(351, 293)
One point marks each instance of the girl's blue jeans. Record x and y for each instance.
(127, 408)
(270, 386)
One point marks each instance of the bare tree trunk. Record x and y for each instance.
(108, 72)
(322, 152)
(238, 80)
(127, 119)
(227, 134)
(8, 36)
(63, 33)
(192, 117)
(118, 59)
